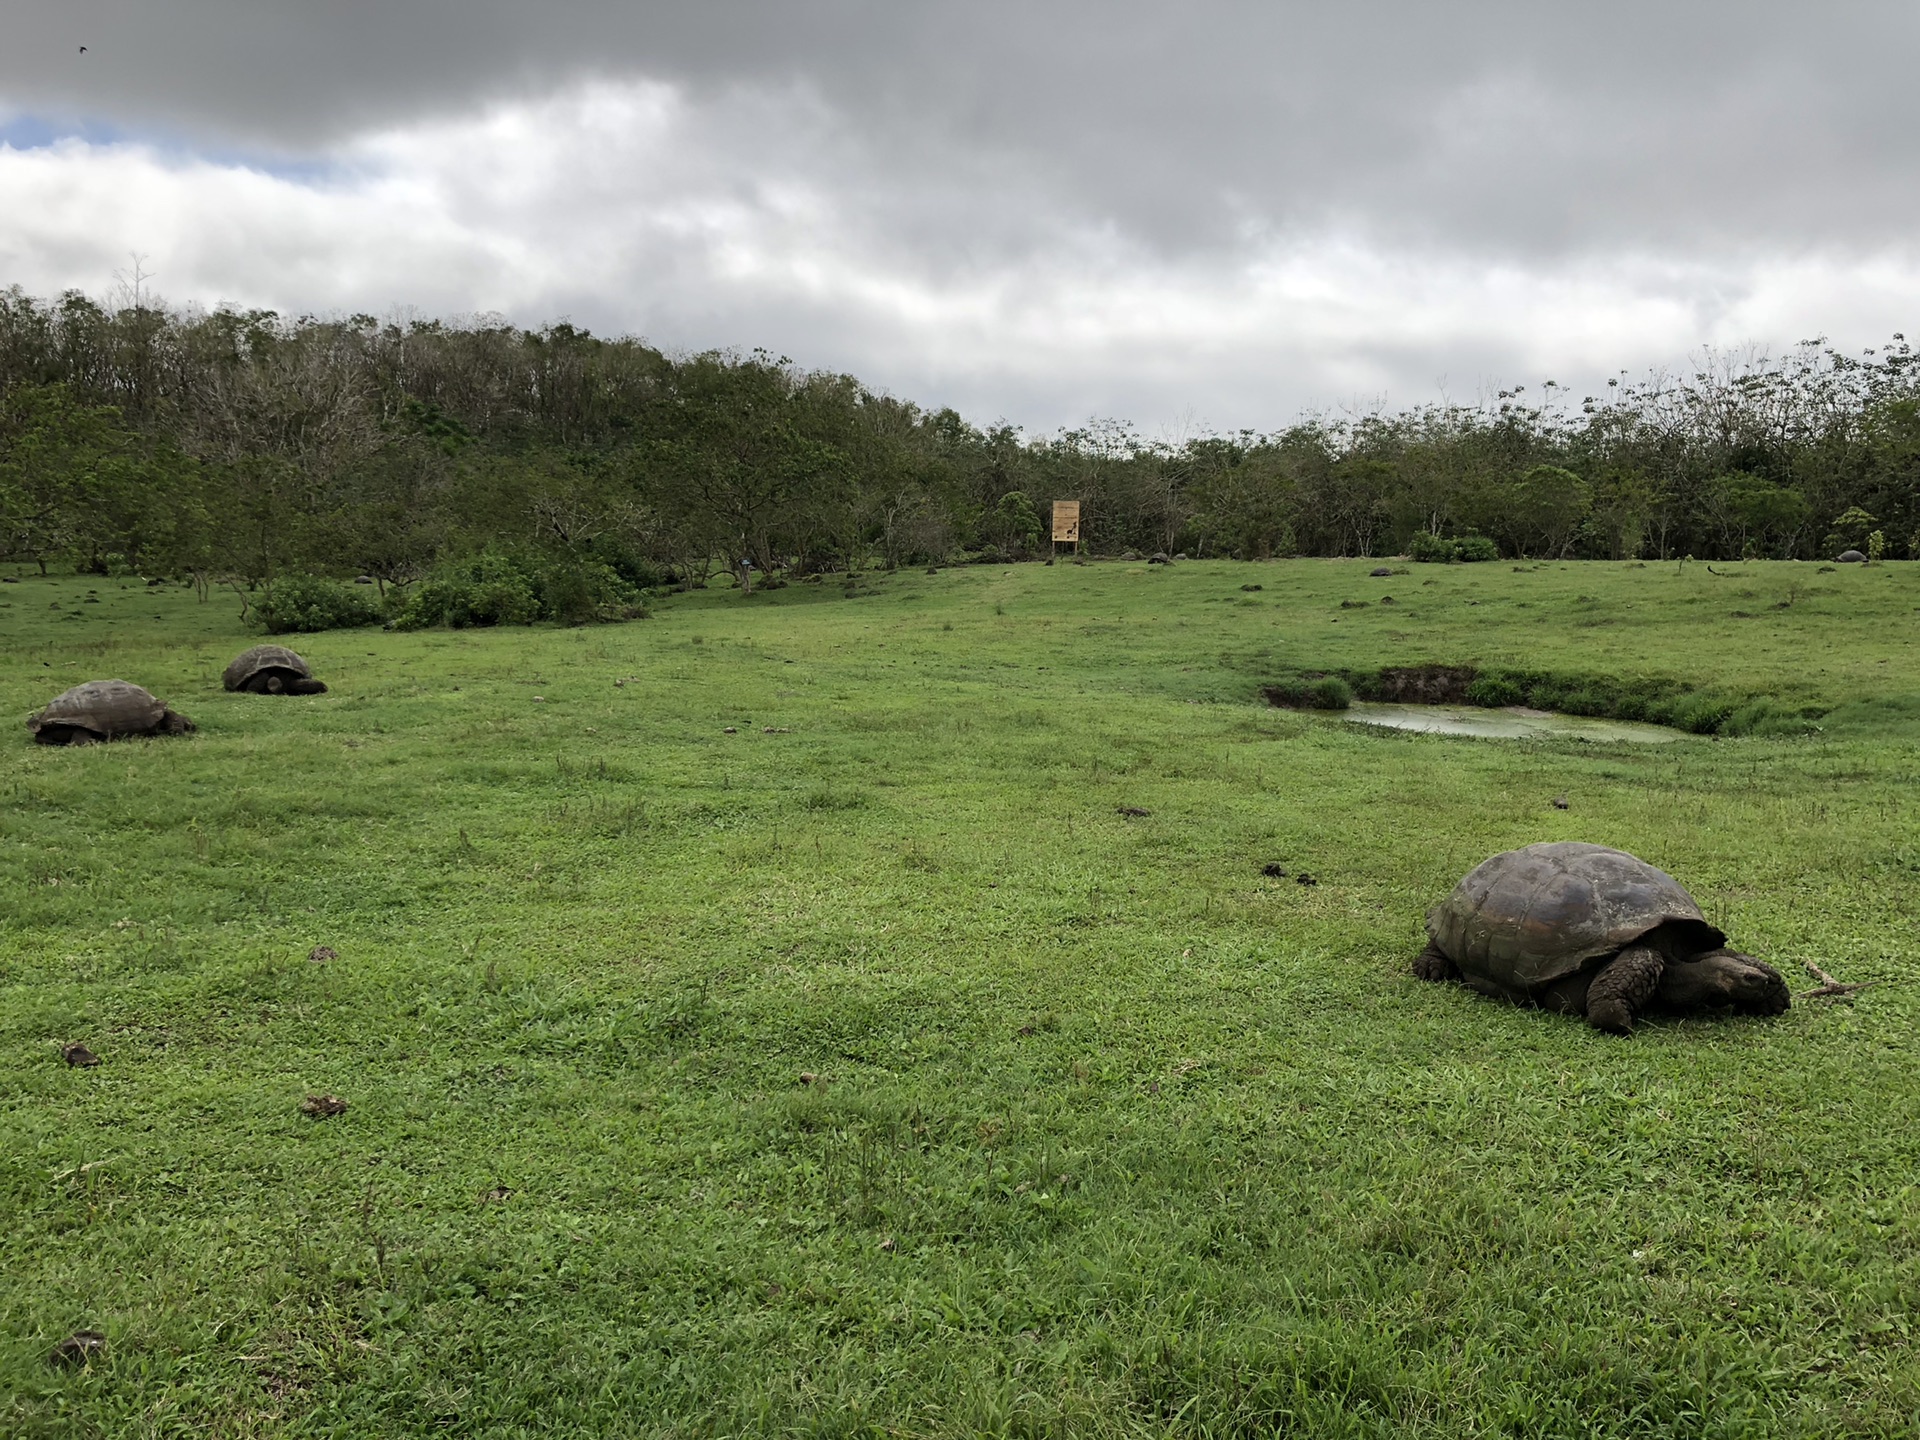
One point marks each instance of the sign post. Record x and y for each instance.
(1066, 524)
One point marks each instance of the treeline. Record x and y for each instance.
(244, 446)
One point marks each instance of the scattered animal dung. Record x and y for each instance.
(1353, 604)
(1560, 802)
(1251, 588)
(321, 1107)
(1380, 570)
(887, 1244)
(79, 1348)
(270, 670)
(1132, 812)
(78, 1054)
(496, 1195)
(1274, 870)
(1586, 930)
(776, 730)
(104, 710)
(320, 954)
(807, 1077)
(731, 730)
(1303, 878)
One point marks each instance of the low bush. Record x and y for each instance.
(1450, 549)
(1310, 692)
(310, 602)
(484, 589)
(494, 588)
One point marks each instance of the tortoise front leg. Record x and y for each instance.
(1622, 988)
(1432, 964)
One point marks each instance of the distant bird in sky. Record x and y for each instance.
(83, 49)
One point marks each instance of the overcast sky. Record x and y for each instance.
(1193, 216)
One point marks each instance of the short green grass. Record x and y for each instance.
(1109, 1134)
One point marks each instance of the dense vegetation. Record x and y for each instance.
(244, 447)
(1108, 1132)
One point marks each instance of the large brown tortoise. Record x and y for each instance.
(104, 710)
(271, 670)
(1590, 931)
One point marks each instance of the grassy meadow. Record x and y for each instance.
(865, 1072)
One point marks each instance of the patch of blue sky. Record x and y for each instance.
(25, 131)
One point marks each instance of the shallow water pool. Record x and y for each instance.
(1515, 722)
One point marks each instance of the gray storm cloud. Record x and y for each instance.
(1043, 210)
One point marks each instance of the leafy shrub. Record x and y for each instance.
(581, 592)
(493, 588)
(1445, 550)
(308, 602)
(484, 589)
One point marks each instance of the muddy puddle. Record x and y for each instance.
(1515, 722)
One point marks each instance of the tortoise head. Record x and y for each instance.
(1718, 978)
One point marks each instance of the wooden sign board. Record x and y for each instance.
(1066, 521)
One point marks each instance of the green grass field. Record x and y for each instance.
(1109, 1134)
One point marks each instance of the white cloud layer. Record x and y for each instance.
(763, 215)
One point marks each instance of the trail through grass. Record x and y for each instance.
(866, 1072)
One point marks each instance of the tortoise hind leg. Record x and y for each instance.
(1622, 988)
(1432, 964)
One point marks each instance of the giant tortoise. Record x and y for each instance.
(1590, 931)
(104, 710)
(271, 670)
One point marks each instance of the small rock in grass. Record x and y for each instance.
(1560, 802)
(79, 1348)
(322, 1106)
(807, 1077)
(1251, 588)
(1381, 570)
(1388, 600)
(1274, 870)
(320, 954)
(731, 730)
(494, 1196)
(887, 1244)
(1303, 878)
(1132, 812)
(78, 1054)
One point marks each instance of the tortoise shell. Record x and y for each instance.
(249, 663)
(104, 707)
(1529, 917)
